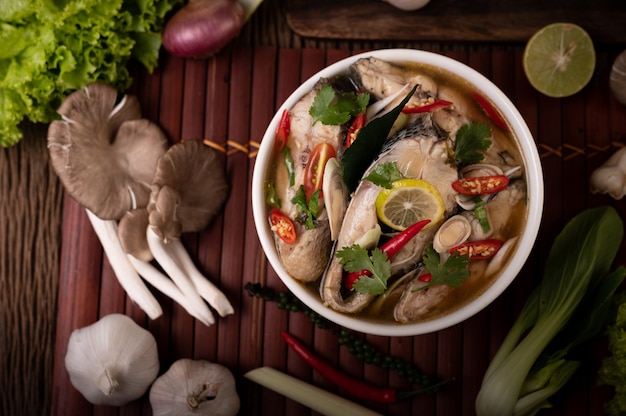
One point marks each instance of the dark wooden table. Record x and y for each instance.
(56, 279)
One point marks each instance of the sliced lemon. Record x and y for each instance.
(559, 59)
(409, 201)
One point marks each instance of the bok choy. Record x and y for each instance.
(572, 300)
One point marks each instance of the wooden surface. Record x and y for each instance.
(230, 100)
(454, 20)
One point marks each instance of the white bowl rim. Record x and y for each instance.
(534, 180)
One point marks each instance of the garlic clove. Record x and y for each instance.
(195, 388)
(617, 79)
(112, 361)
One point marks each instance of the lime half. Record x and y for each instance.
(407, 202)
(559, 59)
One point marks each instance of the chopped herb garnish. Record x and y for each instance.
(271, 198)
(384, 174)
(289, 165)
(308, 210)
(471, 142)
(356, 258)
(452, 272)
(481, 214)
(334, 109)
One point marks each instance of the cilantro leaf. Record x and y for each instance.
(307, 210)
(452, 272)
(384, 174)
(334, 109)
(356, 258)
(471, 141)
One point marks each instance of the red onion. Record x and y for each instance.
(203, 27)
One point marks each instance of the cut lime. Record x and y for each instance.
(407, 202)
(559, 59)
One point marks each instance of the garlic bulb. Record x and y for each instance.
(408, 5)
(112, 361)
(195, 387)
(617, 80)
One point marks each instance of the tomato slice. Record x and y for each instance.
(480, 185)
(282, 131)
(353, 131)
(314, 169)
(282, 226)
(478, 250)
(426, 107)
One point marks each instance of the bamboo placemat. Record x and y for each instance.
(228, 101)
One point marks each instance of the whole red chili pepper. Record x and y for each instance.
(390, 248)
(354, 387)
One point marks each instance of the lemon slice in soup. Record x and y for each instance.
(559, 59)
(409, 201)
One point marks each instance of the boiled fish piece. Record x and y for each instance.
(418, 153)
(305, 259)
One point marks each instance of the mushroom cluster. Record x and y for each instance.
(141, 195)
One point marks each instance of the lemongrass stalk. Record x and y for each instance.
(311, 396)
(165, 285)
(127, 276)
(207, 290)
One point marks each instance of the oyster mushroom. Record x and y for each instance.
(195, 387)
(105, 156)
(188, 190)
(132, 232)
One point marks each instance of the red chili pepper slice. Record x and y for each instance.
(282, 226)
(480, 184)
(282, 132)
(314, 169)
(353, 131)
(478, 250)
(425, 108)
(390, 248)
(426, 277)
(491, 112)
(355, 387)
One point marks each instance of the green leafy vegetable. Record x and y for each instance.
(471, 142)
(453, 272)
(384, 174)
(368, 144)
(612, 371)
(574, 295)
(333, 109)
(308, 210)
(51, 48)
(356, 258)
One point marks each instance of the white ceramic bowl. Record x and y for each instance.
(534, 181)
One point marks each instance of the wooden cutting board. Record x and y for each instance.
(454, 20)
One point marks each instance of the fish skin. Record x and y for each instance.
(305, 259)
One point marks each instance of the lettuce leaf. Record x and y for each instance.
(54, 47)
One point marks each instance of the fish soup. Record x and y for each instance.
(447, 160)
